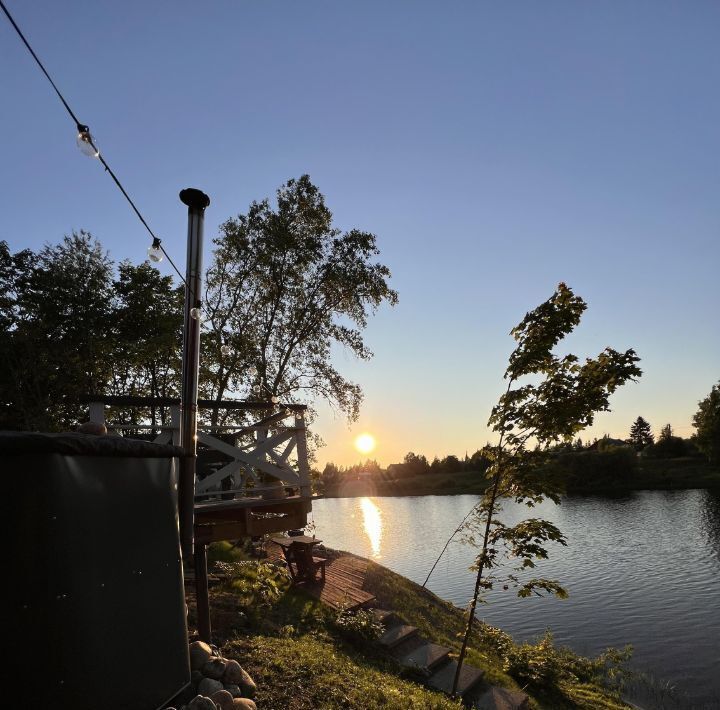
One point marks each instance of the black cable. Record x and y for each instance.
(83, 129)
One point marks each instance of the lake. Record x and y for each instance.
(642, 569)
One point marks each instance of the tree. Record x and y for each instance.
(56, 339)
(285, 288)
(641, 434)
(561, 398)
(668, 446)
(707, 423)
(147, 327)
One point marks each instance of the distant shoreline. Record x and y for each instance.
(657, 474)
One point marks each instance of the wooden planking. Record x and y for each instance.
(344, 580)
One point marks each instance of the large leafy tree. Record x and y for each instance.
(56, 340)
(147, 329)
(707, 423)
(68, 328)
(641, 434)
(549, 399)
(284, 289)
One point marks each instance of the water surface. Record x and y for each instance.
(643, 569)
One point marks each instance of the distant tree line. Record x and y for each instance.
(604, 462)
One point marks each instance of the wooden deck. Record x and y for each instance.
(344, 580)
(248, 517)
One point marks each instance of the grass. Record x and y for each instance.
(301, 660)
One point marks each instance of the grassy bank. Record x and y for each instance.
(301, 659)
(650, 474)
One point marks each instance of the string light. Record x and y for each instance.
(87, 145)
(155, 252)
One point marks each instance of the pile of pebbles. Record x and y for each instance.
(220, 683)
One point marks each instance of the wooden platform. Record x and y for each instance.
(248, 517)
(344, 580)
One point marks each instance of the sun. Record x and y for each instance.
(365, 443)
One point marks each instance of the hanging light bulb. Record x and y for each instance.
(226, 350)
(274, 399)
(86, 142)
(257, 390)
(195, 313)
(155, 252)
(252, 371)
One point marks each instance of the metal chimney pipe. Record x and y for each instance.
(196, 202)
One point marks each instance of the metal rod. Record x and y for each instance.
(196, 202)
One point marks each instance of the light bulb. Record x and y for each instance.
(252, 371)
(274, 399)
(155, 253)
(257, 390)
(226, 350)
(195, 313)
(87, 143)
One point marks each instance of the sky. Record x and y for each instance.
(495, 149)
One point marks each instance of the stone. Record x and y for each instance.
(200, 702)
(236, 675)
(208, 686)
(214, 668)
(223, 699)
(234, 690)
(195, 678)
(200, 654)
(244, 704)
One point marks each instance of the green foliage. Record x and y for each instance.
(707, 423)
(668, 446)
(257, 585)
(544, 666)
(549, 399)
(56, 344)
(285, 287)
(358, 625)
(613, 467)
(641, 434)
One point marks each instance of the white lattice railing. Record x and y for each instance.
(274, 447)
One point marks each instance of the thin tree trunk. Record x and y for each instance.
(478, 579)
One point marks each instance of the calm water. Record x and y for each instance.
(642, 569)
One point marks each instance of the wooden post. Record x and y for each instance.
(302, 455)
(201, 592)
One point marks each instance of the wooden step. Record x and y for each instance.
(425, 657)
(495, 698)
(444, 677)
(385, 617)
(397, 634)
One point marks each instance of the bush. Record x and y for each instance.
(598, 469)
(258, 584)
(359, 625)
(671, 447)
(544, 666)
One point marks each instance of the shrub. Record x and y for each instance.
(598, 469)
(544, 666)
(258, 584)
(358, 625)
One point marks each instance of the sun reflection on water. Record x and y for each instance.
(372, 522)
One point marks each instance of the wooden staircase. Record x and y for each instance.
(433, 664)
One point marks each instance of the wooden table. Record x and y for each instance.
(298, 551)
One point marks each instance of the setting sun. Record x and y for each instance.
(365, 443)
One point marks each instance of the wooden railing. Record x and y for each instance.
(274, 446)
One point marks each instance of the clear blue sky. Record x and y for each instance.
(494, 148)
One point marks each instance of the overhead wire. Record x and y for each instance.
(85, 135)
